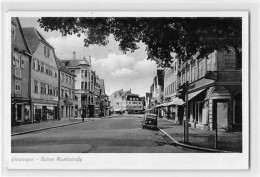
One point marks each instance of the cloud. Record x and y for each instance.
(123, 72)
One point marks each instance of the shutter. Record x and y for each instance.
(22, 62)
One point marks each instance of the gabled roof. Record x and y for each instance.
(22, 34)
(121, 90)
(125, 94)
(33, 38)
(62, 67)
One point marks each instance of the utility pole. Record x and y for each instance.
(186, 123)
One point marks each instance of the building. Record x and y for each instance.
(97, 92)
(67, 100)
(148, 98)
(132, 104)
(84, 85)
(215, 90)
(173, 106)
(157, 92)
(116, 100)
(20, 75)
(44, 77)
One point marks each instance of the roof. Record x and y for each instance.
(22, 34)
(71, 63)
(33, 38)
(126, 93)
(133, 96)
(62, 67)
(121, 90)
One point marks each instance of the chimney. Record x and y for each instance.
(74, 55)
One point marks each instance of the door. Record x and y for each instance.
(222, 114)
(19, 112)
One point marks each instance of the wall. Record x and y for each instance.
(42, 77)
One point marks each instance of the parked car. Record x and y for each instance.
(150, 120)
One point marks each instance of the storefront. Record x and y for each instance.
(66, 109)
(44, 111)
(20, 110)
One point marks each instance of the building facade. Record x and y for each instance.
(67, 100)
(215, 90)
(132, 104)
(116, 100)
(44, 77)
(20, 75)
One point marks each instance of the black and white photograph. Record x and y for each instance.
(126, 84)
(93, 90)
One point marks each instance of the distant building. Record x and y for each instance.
(44, 77)
(132, 104)
(20, 75)
(116, 100)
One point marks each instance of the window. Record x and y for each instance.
(69, 79)
(42, 67)
(62, 77)
(82, 85)
(17, 87)
(50, 90)
(62, 93)
(47, 70)
(36, 87)
(39, 66)
(86, 85)
(46, 51)
(188, 75)
(82, 73)
(46, 89)
(66, 78)
(42, 88)
(86, 73)
(56, 73)
(18, 72)
(50, 71)
(35, 64)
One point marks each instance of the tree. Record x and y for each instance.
(185, 37)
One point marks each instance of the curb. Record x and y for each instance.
(193, 147)
(62, 125)
(46, 128)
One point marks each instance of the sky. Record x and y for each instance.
(119, 71)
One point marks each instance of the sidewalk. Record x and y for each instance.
(27, 128)
(227, 141)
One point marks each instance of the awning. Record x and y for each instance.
(176, 101)
(192, 95)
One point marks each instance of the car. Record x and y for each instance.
(149, 120)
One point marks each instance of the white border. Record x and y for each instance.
(252, 6)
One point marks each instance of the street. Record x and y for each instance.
(121, 134)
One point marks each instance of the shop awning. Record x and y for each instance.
(176, 101)
(192, 95)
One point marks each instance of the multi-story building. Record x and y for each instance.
(84, 85)
(215, 91)
(44, 77)
(97, 100)
(67, 92)
(172, 105)
(157, 90)
(20, 75)
(132, 104)
(116, 100)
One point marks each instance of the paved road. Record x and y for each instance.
(121, 134)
